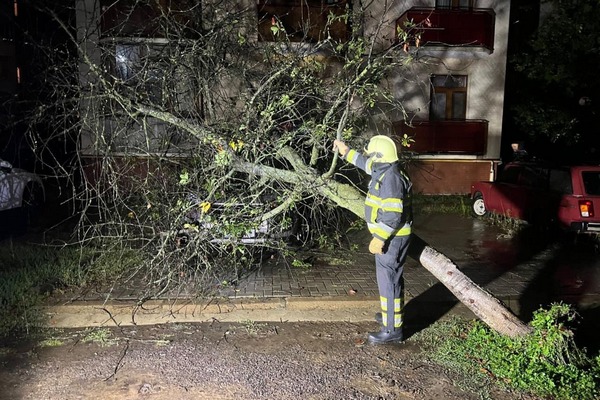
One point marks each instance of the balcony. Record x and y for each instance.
(303, 21)
(129, 18)
(446, 137)
(452, 27)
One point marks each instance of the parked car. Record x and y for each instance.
(568, 196)
(235, 221)
(19, 189)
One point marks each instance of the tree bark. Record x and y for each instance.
(482, 303)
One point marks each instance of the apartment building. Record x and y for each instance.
(453, 105)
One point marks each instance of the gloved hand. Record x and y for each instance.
(341, 147)
(376, 246)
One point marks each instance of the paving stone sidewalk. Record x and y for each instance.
(489, 260)
(277, 279)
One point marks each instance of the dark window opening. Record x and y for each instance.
(591, 182)
(149, 18)
(454, 4)
(308, 21)
(448, 97)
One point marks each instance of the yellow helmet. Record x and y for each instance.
(382, 149)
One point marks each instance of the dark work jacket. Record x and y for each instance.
(388, 204)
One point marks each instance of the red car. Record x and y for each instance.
(569, 196)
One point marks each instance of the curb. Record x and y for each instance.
(81, 314)
(94, 314)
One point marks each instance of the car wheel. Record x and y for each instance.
(478, 206)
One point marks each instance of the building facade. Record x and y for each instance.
(456, 106)
(453, 104)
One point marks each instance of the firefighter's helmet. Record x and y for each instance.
(382, 149)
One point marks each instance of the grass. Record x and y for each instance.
(461, 205)
(51, 342)
(31, 272)
(100, 336)
(253, 327)
(445, 204)
(546, 363)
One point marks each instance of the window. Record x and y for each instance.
(591, 182)
(148, 18)
(448, 97)
(560, 181)
(534, 177)
(144, 71)
(303, 20)
(454, 4)
(127, 58)
(510, 175)
(134, 64)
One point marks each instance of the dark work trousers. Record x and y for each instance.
(389, 268)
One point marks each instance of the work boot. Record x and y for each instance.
(379, 318)
(385, 336)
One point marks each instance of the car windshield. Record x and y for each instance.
(509, 175)
(591, 182)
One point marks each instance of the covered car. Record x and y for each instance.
(19, 188)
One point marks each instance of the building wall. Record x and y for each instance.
(440, 173)
(486, 71)
(449, 176)
(486, 76)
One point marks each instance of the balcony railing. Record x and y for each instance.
(302, 21)
(439, 137)
(473, 27)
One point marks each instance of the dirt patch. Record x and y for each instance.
(217, 360)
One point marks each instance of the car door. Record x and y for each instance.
(538, 203)
(505, 194)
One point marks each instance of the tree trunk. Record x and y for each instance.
(483, 304)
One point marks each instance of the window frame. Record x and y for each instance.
(449, 91)
(454, 4)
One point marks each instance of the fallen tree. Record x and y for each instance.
(483, 304)
(192, 111)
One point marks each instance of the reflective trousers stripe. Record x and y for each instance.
(398, 311)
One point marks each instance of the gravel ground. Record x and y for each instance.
(216, 360)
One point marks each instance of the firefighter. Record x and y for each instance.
(388, 213)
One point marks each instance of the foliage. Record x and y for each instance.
(32, 272)
(193, 133)
(546, 363)
(101, 336)
(510, 226)
(558, 78)
(51, 342)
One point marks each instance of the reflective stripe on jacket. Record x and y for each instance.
(388, 205)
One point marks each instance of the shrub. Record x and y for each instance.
(545, 363)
